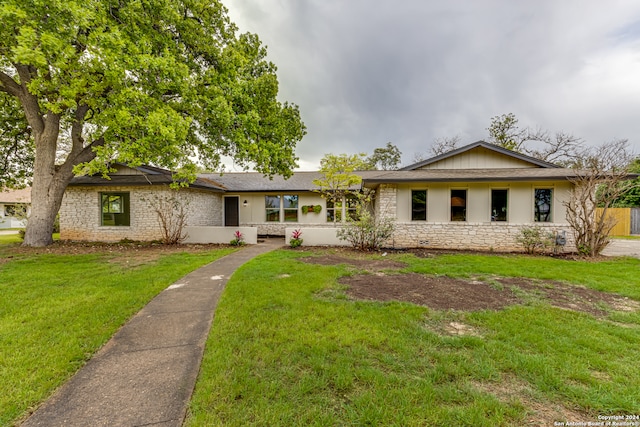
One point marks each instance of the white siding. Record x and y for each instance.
(480, 158)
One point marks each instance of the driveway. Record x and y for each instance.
(623, 247)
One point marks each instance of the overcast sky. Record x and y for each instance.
(364, 73)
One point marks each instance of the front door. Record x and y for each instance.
(231, 211)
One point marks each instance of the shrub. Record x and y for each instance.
(535, 239)
(295, 240)
(367, 233)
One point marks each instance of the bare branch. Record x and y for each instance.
(603, 177)
(444, 144)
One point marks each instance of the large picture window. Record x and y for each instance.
(542, 204)
(499, 205)
(272, 205)
(290, 208)
(458, 205)
(114, 209)
(418, 205)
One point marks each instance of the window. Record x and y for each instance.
(9, 210)
(114, 209)
(352, 207)
(499, 205)
(334, 210)
(458, 205)
(542, 204)
(418, 205)
(272, 205)
(337, 208)
(290, 208)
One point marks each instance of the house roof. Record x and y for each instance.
(257, 182)
(148, 175)
(482, 144)
(16, 196)
(477, 175)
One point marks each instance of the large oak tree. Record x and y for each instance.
(165, 82)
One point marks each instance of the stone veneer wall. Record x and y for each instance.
(386, 201)
(500, 237)
(80, 213)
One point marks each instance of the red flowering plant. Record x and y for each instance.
(238, 239)
(295, 238)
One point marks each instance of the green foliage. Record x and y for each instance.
(630, 198)
(17, 150)
(338, 175)
(56, 311)
(535, 239)
(311, 208)
(504, 131)
(367, 233)
(167, 83)
(162, 82)
(387, 158)
(338, 172)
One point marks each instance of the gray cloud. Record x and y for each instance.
(364, 73)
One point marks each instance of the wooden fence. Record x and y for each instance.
(627, 220)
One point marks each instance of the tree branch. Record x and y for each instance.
(77, 142)
(29, 102)
(8, 85)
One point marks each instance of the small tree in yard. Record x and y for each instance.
(172, 216)
(602, 176)
(339, 177)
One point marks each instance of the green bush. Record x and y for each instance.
(535, 239)
(367, 233)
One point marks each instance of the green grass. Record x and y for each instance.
(287, 348)
(57, 310)
(6, 239)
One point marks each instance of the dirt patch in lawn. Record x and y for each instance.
(447, 293)
(437, 292)
(572, 297)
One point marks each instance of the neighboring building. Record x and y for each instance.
(12, 202)
(477, 197)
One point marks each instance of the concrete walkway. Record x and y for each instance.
(145, 375)
(623, 247)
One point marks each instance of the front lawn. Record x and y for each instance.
(58, 307)
(291, 346)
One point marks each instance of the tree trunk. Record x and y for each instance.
(48, 186)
